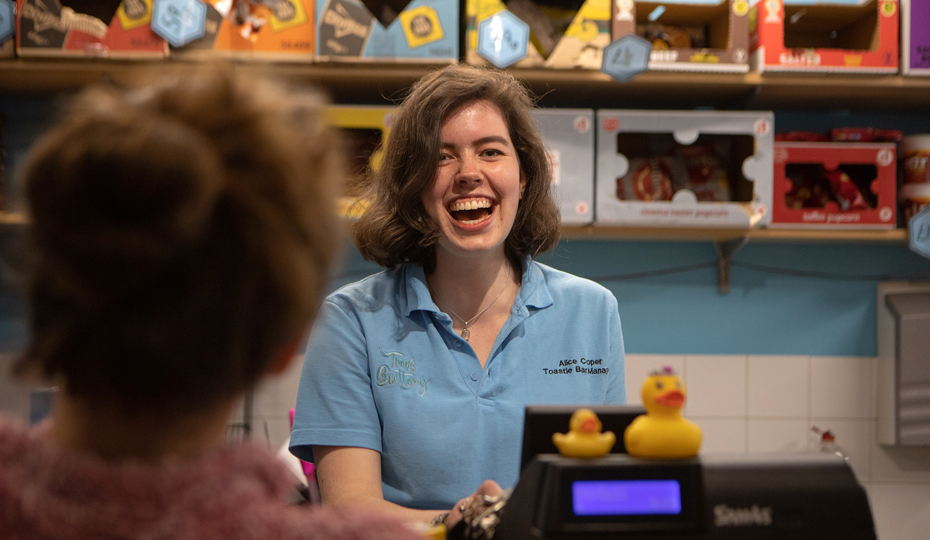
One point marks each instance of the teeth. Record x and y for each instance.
(470, 205)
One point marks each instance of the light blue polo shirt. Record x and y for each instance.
(385, 370)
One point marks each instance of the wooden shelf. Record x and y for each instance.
(893, 236)
(591, 232)
(382, 83)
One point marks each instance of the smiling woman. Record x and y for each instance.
(463, 329)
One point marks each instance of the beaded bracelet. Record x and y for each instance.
(440, 519)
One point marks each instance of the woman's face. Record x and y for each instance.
(478, 183)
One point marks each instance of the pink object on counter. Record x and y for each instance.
(308, 468)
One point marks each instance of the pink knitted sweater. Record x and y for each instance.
(232, 493)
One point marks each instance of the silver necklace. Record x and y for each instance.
(465, 332)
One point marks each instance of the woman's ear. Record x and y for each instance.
(284, 359)
(522, 183)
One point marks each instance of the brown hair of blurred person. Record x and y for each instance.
(183, 236)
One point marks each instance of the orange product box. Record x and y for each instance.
(117, 30)
(834, 185)
(284, 31)
(861, 38)
(686, 35)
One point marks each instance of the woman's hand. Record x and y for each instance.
(465, 506)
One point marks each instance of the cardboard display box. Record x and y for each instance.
(684, 168)
(563, 34)
(283, 32)
(387, 31)
(364, 129)
(711, 36)
(915, 37)
(112, 29)
(859, 38)
(834, 185)
(569, 138)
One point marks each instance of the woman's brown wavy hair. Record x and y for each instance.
(395, 227)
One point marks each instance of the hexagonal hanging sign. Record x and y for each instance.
(918, 232)
(7, 19)
(626, 57)
(503, 39)
(179, 21)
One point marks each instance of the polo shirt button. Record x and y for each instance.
(457, 344)
(474, 376)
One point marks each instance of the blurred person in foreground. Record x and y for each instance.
(183, 234)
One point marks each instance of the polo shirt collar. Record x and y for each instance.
(534, 292)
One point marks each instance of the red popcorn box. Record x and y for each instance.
(110, 29)
(834, 185)
(860, 38)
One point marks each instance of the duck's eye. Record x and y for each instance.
(678, 384)
(659, 385)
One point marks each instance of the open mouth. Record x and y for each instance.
(470, 211)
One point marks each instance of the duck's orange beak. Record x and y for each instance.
(673, 398)
(588, 426)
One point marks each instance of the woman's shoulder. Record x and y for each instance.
(377, 285)
(565, 284)
(386, 289)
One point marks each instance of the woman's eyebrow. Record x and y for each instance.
(484, 140)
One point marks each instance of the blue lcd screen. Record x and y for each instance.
(626, 497)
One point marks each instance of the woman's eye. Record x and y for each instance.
(492, 152)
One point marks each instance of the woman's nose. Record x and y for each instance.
(468, 171)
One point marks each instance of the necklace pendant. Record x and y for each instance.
(465, 333)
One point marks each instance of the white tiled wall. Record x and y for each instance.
(272, 402)
(770, 403)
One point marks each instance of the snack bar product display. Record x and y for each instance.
(562, 33)
(387, 31)
(280, 30)
(87, 29)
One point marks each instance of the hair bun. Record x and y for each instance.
(131, 191)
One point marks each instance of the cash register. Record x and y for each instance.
(804, 496)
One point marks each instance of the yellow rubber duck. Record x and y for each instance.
(584, 438)
(662, 432)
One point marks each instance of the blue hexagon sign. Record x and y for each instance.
(7, 19)
(179, 21)
(503, 39)
(626, 57)
(918, 232)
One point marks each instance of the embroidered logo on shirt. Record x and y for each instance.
(400, 370)
(572, 365)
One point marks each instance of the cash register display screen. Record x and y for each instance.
(626, 497)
